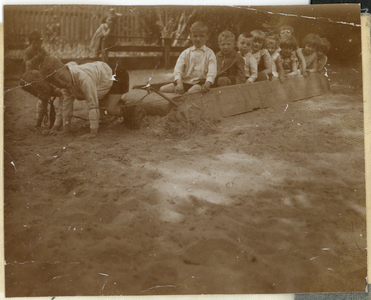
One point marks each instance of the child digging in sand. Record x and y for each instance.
(196, 66)
(34, 83)
(90, 82)
(230, 64)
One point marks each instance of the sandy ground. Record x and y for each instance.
(271, 201)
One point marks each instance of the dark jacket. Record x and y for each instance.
(231, 66)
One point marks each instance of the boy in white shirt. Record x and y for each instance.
(196, 66)
(90, 82)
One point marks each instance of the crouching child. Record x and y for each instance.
(90, 82)
(32, 82)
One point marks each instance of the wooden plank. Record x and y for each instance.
(224, 101)
(269, 100)
(248, 104)
(264, 87)
(211, 105)
(315, 85)
(296, 87)
(254, 96)
(282, 94)
(237, 99)
(233, 102)
(132, 48)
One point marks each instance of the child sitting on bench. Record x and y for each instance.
(196, 68)
(230, 64)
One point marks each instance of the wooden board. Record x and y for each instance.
(237, 99)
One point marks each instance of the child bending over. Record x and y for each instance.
(90, 82)
(323, 48)
(244, 45)
(272, 45)
(34, 54)
(310, 46)
(261, 55)
(285, 32)
(196, 67)
(289, 58)
(230, 64)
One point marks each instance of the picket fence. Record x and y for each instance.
(77, 22)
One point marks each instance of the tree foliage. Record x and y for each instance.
(167, 22)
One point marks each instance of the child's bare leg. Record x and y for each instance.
(168, 88)
(224, 81)
(194, 89)
(111, 105)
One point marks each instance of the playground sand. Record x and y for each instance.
(272, 201)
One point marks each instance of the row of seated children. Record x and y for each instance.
(282, 53)
(260, 57)
(198, 68)
(291, 60)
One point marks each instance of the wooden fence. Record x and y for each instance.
(77, 22)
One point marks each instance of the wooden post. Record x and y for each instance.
(167, 47)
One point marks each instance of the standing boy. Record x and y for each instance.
(244, 45)
(230, 64)
(196, 68)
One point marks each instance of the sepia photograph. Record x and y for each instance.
(183, 150)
